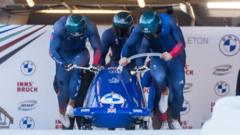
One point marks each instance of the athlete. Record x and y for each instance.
(159, 108)
(114, 38)
(68, 47)
(163, 36)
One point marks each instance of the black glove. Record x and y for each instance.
(94, 68)
(142, 68)
(138, 69)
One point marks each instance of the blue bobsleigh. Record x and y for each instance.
(114, 100)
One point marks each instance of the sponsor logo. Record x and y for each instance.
(27, 105)
(197, 40)
(187, 87)
(222, 88)
(137, 110)
(222, 69)
(58, 124)
(112, 98)
(113, 80)
(28, 68)
(85, 110)
(26, 123)
(185, 107)
(229, 45)
(146, 30)
(188, 70)
(27, 87)
(5, 119)
(186, 125)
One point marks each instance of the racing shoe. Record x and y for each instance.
(147, 122)
(69, 111)
(163, 103)
(175, 124)
(65, 120)
(164, 125)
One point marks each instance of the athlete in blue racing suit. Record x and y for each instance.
(68, 47)
(114, 38)
(163, 36)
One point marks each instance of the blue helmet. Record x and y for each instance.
(150, 23)
(75, 25)
(122, 23)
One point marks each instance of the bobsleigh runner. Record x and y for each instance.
(114, 99)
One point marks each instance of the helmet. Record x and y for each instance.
(122, 23)
(150, 23)
(75, 25)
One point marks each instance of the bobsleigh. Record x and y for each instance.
(114, 100)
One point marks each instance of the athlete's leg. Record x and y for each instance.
(88, 77)
(176, 80)
(81, 59)
(163, 103)
(61, 83)
(158, 74)
(148, 89)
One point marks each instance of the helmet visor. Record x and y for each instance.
(123, 32)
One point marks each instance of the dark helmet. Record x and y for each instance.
(122, 23)
(75, 25)
(150, 23)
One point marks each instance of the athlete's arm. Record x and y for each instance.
(133, 39)
(95, 42)
(105, 45)
(144, 47)
(55, 43)
(178, 37)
